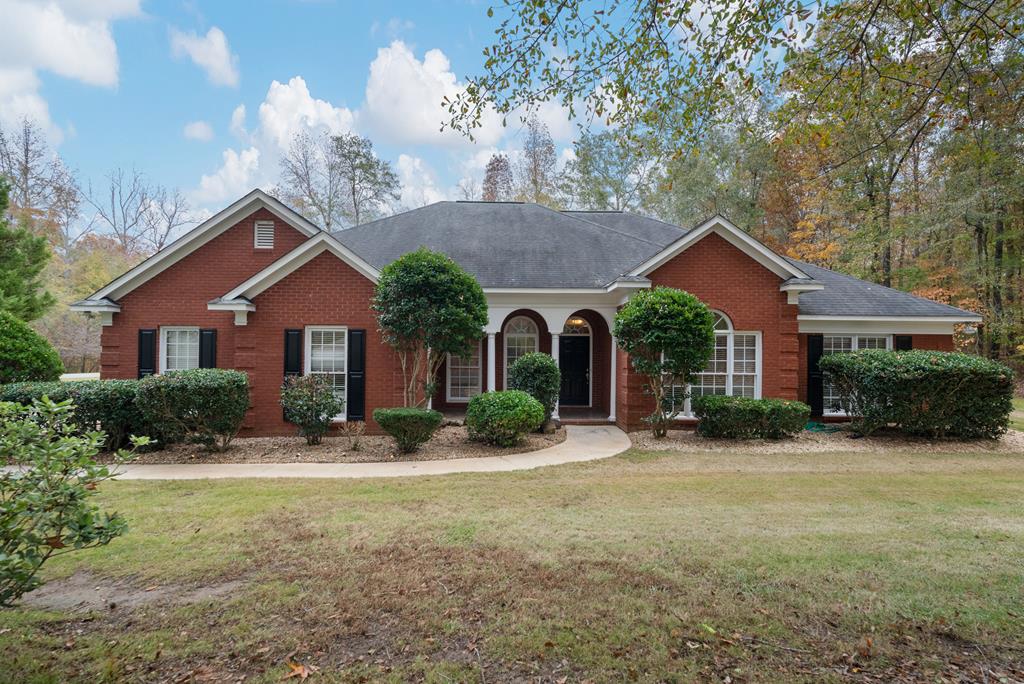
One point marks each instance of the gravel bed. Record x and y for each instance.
(688, 441)
(449, 442)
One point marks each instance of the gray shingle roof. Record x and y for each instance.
(512, 244)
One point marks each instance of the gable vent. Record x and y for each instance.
(264, 237)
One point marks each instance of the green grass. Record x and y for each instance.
(649, 567)
(1017, 423)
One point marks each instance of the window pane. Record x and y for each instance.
(872, 343)
(182, 349)
(464, 375)
(834, 344)
(328, 357)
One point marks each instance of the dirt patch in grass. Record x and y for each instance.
(450, 442)
(842, 440)
(83, 592)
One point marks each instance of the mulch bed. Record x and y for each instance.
(449, 442)
(841, 440)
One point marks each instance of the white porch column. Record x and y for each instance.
(611, 386)
(491, 362)
(554, 355)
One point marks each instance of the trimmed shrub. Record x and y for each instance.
(107, 405)
(538, 375)
(205, 405)
(25, 355)
(310, 403)
(746, 418)
(924, 393)
(502, 418)
(410, 427)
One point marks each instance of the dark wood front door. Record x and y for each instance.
(574, 362)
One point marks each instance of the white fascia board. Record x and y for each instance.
(297, 258)
(544, 290)
(801, 287)
(882, 325)
(734, 236)
(236, 305)
(967, 317)
(199, 236)
(96, 306)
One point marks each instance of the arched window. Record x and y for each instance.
(576, 326)
(520, 338)
(734, 368)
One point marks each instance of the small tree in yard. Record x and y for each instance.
(669, 335)
(44, 504)
(310, 403)
(427, 307)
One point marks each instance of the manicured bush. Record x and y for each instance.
(45, 507)
(205, 405)
(409, 426)
(746, 418)
(310, 403)
(538, 375)
(107, 405)
(25, 355)
(503, 418)
(669, 335)
(926, 393)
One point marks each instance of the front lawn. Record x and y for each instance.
(652, 566)
(1017, 421)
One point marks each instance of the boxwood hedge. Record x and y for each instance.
(745, 418)
(410, 427)
(204, 405)
(502, 418)
(926, 393)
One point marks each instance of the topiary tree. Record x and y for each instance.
(669, 335)
(427, 307)
(24, 354)
(538, 375)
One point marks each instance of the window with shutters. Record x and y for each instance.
(327, 355)
(832, 398)
(264, 235)
(734, 368)
(463, 379)
(179, 348)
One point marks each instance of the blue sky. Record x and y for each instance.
(203, 96)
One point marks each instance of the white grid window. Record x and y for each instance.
(832, 398)
(734, 368)
(464, 376)
(520, 339)
(327, 355)
(179, 348)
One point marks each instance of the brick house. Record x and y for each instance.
(259, 288)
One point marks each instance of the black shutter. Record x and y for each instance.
(355, 406)
(147, 352)
(208, 348)
(815, 379)
(293, 352)
(903, 342)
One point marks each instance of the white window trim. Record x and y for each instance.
(164, 329)
(504, 344)
(448, 376)
(307, 360)
(730, 337)
(256, 231)
(854, 346)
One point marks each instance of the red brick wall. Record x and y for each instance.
(729, 281)
(178, 295)
(326, 291)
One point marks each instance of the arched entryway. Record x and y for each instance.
(575, 360)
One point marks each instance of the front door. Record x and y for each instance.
(574, 362)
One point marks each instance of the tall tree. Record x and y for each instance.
(537, 167)
(337, 179)
(606, 173)
(497, 186)
(142, 217)
(23, 256)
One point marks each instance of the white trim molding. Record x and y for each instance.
(727, 230)
(104, 307)
(884, 325)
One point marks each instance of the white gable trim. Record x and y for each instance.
(296, 259)
(199, 236)
(734, 236)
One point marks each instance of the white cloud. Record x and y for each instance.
(404, 99)
(419, 182)
(289, 108)
(70, 38)
(393, 27)
(198, 130)
(237, 126)
(211, 53)
(233, 179)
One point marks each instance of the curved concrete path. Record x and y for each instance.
(582, 443)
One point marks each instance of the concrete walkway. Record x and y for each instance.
(582, 443)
